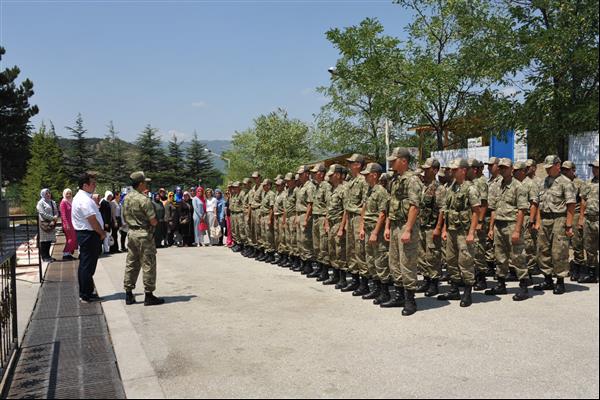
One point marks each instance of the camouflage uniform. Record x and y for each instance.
(319, 237)
(335, 213)
(490, 254)
(244, 226)
(234, 209)
(530, 237)
(303, 199)
(590, 228)
(279, 227)
(430, 256)
(481, 257)
(356, 191)
(577, 239)
(377, 256)
(291, 233)
(141, 249)
(266, 227)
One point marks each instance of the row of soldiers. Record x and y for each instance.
(384, 228)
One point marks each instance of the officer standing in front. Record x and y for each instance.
(139, 216)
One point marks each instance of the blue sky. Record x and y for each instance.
(211, 66)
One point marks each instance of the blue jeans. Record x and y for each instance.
(89, 251)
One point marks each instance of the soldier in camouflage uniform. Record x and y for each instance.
(289, 219)
(431, 221)
(492, 183)
(304, 221)
(578, 263)
(509, 206)
(236, 214)
(254, 199)
(245, 189)
(138, 214)
(555, 221)
(372, 227)
(475, 175)
(356, 190)
(336, 238)
(402, 231)
(279, 228)
(588, 219)
(532, 182)
(461, 216)
(319, 211)
(267, 222)
(445, 179)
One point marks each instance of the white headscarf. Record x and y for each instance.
(43, 195)
(67, 190)
(108, 193)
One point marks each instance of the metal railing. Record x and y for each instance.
(9, 333)
(22, 236)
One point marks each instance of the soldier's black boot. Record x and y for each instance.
(512, 275)
(466, 300)
(499, 289)
(491, 271)
(353, 285)
(410, 304)
(335, 278)
(433, 288)
(316, 272)
(297, 265)
(276, 259)
(481, 282)
(289, 262)
(384, 296)
(453, 294)
(324, 275)
(397, 300)
(374, 293)
(129, 298)
(523, 293)
(306, 267)
(445, 276)
(269, 258)
(536, 270)
(363, 288)
(590, 277)
(560, 286)
(151, 300)
(547, 285)
(262, 256)
(282, 260)
(574, 269)
(424, 286)
(253, 252)
(342, 282)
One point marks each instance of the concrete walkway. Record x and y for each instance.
(234, 327)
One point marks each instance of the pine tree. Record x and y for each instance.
(79, 157)
(44, 168)
(150, 156)
(112, 161)
(175, 163)
(199, 164)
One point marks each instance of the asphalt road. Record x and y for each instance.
(234, 327)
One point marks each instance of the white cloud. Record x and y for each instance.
(199, 104)
(181, 136)
(510, 91)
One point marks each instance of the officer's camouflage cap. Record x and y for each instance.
(267, 182)
(474, 163)
(356, 158)
(431, 163)
(505, 162)
(568, 165)
(235, 184)
(246, 181)
(335, 168)
(320, 167)
(518, 165)
(303, 169)
(400, 152)
(255, 174)
(493, 161)
(279, 177)
(594, 163)
(296, 177)
(459, 163)
(279, 182)
(530, 162)
(289, 176)
(372, 167)
(138, 177)
(551, 160)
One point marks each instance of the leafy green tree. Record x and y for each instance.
(242, 154)
(44, 168)
(199, 164)
(112, 160)
(15, 113)
(149, 156)
(79, 157)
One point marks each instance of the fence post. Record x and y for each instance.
(13, 295)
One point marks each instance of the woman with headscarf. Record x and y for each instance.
(211, 216)
(185, 212)
(228, 217)
(178, 194)
(200, 227)
(171, 218)
(159, 210)
(106, 212)
(48, 215)
(115, 206)
(67, 225)
(221, 215)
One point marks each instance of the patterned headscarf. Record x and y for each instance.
(43, 195)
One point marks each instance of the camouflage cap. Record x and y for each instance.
(474, 163)
(279, 176)
(138, 177)
(335, 168)
(594, 163)
(267, 181)
(296, 177)
(431, 163)
(400, 152)
(420, 171)
(289, 176)
(320, 167)
(459, 163)
(551, 160)
(531, 162)
(255, 174)
(568, 165)
(235, 184)
(356, 158)
(279, 182)
(493, 161)
(372, 167)
(246, 181)
(519, 165)
(302, 169)
(505, 162)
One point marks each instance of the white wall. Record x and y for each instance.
(583, 149)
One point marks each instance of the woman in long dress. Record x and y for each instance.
(211, 215)
(199, 204)
(185, 215)
(48, 216)
(67, 225)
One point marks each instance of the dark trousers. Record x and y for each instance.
(90, 247)
(45, 250)
(123, 237)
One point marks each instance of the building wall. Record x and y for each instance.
(583, 149)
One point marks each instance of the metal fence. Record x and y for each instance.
(8, 312)
(22, 238)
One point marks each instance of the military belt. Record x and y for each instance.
(502, 223)
(592, 218)
(545, 215)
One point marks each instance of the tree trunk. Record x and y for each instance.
(439, 133)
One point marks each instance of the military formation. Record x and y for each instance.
(371, 232)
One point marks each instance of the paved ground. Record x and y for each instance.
(238, 328)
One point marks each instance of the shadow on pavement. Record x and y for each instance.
(140, 296)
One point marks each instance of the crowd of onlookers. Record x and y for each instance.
(198, 217)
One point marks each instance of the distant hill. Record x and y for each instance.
(216, 146)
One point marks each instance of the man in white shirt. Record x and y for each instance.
(88, 223)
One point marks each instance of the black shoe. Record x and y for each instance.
(547, 285)
(324, 275)
(384, 295)
(523, 293)
(536, 270)
(151, 300)
(433, 288)
(397, 300)
(481, 283)
(317, 267)
(445, 276)
(375, 292)
(270, 258)
(306, 267)
(363, 288)
(262, 256)
(410, 304)
(574, 269)
(333, 279)
(453, 294)
(424, 286)
(342, 281)
(466, 299)
(590, 277)
(353, 284)
(498, 289)
(129, 298)
(512, 275)
(297, 266)
(282, 260)
(491, 270)
(560, 286)
(276, 258)
(89, 299)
